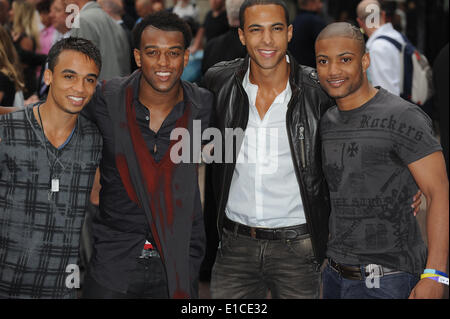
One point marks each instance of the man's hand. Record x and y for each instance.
(427, 288)
(417, 200)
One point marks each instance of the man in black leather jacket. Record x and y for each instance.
(265, 246)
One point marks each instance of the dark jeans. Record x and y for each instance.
(249, 268)
(147, 281)
(390, 286)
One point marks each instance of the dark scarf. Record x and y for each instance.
(156, 187)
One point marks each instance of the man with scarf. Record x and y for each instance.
(149, 235)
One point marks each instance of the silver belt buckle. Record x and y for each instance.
(375, 271)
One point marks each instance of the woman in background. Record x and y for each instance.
(11, 80)
(47, 35)
(25, 34)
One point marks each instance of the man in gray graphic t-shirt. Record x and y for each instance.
(377, 149)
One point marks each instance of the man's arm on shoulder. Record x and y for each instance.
(430, 175)
(10, 109)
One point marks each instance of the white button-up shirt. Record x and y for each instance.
(385, 60)
(264, 190)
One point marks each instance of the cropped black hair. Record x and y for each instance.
(251, 3)
(81, 45)
(162, 20)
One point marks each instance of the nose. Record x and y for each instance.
(333, 69)
(163, 59)
(267, 37)
(78, 86)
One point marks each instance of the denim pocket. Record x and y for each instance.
(301, 247)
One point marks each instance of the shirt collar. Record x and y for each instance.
(252, 89)
(87, 5)
(179, 106)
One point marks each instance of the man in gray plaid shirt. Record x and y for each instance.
(48, 158)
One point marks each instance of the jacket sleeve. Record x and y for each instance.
(197, 245)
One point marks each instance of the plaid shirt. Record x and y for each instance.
(39, 234)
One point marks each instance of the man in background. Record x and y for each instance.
(227, 46)
(307, 26)
(385, 65)
(96, 26)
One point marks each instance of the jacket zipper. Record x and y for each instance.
(302, 145)
(303, 163)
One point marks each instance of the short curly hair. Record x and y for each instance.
(162, 20)
(81, 45)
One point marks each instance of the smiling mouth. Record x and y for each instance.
(77, 101)
(335, 83)
(163, 76)
(267, 53)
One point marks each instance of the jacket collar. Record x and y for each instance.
(192, 96)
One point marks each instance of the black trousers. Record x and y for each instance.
(146, 281)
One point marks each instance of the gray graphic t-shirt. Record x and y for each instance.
(365, 156)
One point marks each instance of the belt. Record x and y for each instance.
(266, 233)
(355, 272)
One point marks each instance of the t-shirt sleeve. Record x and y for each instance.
(3, 81)
(414, 137)
(7, 87)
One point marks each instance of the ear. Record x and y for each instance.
(241, 36)
(290, 32)
(366, 61)
(383, 17)
(187, 52)
(360, 22)
(48, 76)
(137, 57)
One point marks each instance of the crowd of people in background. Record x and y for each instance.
(34, 26)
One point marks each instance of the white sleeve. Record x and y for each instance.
(385, 70)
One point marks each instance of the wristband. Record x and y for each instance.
(437, 278)
(436, 272)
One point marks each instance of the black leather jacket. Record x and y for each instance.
(308, 103)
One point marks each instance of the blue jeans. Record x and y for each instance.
(248, 268)
(391, 286)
